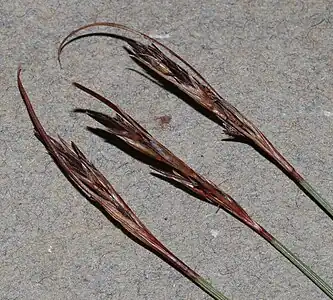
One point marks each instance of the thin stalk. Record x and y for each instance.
(321, 202)
(188, 80)
(173, 168)
(302, 267)
(96, 188)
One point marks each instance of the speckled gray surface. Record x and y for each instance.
(271, 59)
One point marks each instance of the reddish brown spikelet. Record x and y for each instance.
(126, 128)
(91, 182)
(194, 85)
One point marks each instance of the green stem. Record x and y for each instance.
(209, 289)
(303, 268)
(180, 266)
(278, 159)
(321, 202)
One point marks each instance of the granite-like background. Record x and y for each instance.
(271, 59)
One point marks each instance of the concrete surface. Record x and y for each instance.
(272, 59)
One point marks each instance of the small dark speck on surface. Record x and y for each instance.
(163, 121)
